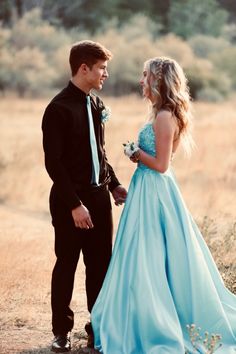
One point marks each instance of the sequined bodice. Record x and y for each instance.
(147, 142)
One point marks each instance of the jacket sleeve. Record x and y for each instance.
(113, 179)
(53, 127)
(114, 182)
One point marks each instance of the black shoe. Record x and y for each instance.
(89, 329)
(61, 343)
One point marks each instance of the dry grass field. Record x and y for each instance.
(207, 181)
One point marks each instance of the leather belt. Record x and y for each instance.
(93, 188)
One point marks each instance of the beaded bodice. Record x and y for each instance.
(147, 142)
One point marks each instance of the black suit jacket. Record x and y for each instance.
(66, 144)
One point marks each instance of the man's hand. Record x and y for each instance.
(119, 195)
(82, 218)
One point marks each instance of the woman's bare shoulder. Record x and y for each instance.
(165, 118)
(164, 113)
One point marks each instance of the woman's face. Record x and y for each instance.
(144, 82)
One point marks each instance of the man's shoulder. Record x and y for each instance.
(60, 101)
(55, 107)
(61, 97)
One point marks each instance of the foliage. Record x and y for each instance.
(32, 75)
(230, 6)
(187, 18)
(181, 16)
(209, 94)
(4, 60)
(203, 80)
(225, 60)
(203, 46)
(34, 55)
(131, 46)
(32, 31)
(175, 47)
(30, 54)
(229, 32)
(81, 14)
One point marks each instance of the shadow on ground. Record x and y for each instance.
(47, 351)
(78, 341)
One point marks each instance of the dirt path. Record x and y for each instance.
(25, 321)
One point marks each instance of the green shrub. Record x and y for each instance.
(226, 61)
(209, 94)
(60, 63)
(204, 46)
(31, 31)
(193, 16)
(34, 56)
(30, 72)
(176, 48)
(202, 76)
(131, 46)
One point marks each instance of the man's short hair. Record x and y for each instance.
(87, 52)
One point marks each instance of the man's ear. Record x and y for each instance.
(84, 68)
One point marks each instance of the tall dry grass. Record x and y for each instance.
(207, 182)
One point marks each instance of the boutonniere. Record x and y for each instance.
(105, 114)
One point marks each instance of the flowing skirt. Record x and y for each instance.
(161, 278)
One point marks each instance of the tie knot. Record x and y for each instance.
(88, 99)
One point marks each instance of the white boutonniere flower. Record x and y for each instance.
(105, 114)
(130, 148)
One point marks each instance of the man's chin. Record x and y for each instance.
(98, 87)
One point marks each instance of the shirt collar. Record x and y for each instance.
(76, 91)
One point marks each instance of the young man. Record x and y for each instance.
(73, 142)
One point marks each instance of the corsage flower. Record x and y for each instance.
(130, 148)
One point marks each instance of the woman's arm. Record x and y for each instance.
(165, 130)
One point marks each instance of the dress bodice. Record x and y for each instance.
(147, 142)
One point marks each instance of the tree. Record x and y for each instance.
(189, 17)
(6, 11)
(158, 11)
(87, 15)
(230, 6)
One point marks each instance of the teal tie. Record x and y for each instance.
(93, 144)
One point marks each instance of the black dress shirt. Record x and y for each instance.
(66, 143)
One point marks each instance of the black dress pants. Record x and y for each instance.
(95, 244)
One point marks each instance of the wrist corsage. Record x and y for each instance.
(131, 149)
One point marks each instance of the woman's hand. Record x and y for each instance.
(135, 157)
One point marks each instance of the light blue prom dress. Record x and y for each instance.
(161, 276)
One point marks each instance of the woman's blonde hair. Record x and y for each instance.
(169, 90)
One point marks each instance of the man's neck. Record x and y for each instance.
(80, 84)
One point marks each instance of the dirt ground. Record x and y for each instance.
(25, 323)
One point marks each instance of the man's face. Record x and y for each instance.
(96, 76)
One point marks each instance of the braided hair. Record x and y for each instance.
(169, 90)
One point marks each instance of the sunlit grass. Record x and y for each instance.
(207, 182)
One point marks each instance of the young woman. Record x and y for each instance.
(161, 276)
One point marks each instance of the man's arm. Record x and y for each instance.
(114, 180)
(53, 127)
(119, 193)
